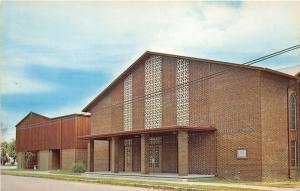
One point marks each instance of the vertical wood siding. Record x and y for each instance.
(37, 133)
(83, 128)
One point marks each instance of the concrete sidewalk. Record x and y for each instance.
(184, 182)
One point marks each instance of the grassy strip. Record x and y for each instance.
(143, 184)
(281, 184)
(278, 183)
(63, 172)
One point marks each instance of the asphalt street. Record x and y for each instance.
(16, 183)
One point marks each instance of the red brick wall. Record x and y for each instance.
(121, 155)
(202, 155)
(55, 159)
(117, 109)
(274, 126)
(169, 154)
(101, 156)
(136, 154)
(101, 116)
(235, 107)
(68, 158)
(297, 89)
(199, 93)
(138, 83)
(81, 156)
(169, 97)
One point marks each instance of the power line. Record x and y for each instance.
(207, 77)
(192, 82)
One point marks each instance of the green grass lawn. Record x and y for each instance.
(69, 176)
(66, 172)
(278, 183)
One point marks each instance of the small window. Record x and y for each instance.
(293, 153)
(241, 153)
(292, 111)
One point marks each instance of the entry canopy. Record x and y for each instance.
(153, 131)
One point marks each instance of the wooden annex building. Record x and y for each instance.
(51, 143)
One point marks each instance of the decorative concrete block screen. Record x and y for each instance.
(127, 104)
(245, 110)
(182, 92)
(153, 98)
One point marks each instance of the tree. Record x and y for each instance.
(4, 149)
(12, 149)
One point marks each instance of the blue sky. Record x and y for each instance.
(57, 56)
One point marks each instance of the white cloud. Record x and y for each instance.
(91, 35)
(17, 83)
(109, 36)
(251, 28)
(15, 80)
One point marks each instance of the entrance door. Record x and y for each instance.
(128, 155)
(155, 148)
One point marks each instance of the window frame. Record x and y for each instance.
(293, 97)
(241, 158)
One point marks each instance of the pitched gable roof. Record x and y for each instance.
(58, 117)
(30, 114)
(147, 54)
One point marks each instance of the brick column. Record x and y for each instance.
(144, 154)
(114, 158)
(183, 153)
(91, 155)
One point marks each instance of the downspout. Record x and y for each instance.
(216, 152)
(288, 133)
(60, 150)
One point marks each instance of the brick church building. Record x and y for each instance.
(176, 114)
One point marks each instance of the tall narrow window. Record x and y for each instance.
(293, 153)
(292, 112)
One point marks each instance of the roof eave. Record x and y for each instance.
(102, 93)
(30, 113)
(162, 130)
(88, 107)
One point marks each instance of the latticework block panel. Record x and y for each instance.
(127, 110)
(153, 111)
(182, 92)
